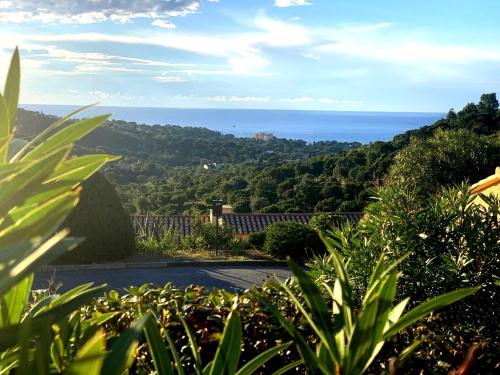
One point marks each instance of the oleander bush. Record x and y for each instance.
(292, 239)
(100, 218)
(455, 243)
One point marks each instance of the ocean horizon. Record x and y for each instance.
(308, 125)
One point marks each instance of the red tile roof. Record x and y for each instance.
(240, 223)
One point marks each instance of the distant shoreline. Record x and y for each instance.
(307, 125)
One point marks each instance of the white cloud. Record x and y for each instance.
(217, 98)
(303, 99)
(242, 58)
(238, 99)
(88, 68)
(92, 11)
(310, 55)
(249, 99)
(309, 99)
(164, 24)
(407, 51)
(290, 3)
(278, 33)
(169, 79)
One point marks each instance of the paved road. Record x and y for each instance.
(227, 277)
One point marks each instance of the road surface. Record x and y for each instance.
(228, 277)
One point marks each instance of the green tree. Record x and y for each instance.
(449, 157)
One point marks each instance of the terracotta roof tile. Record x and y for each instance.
(240, 223)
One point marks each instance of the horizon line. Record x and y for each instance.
(236, 109)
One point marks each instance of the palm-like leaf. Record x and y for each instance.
(348, 343)
(39, 187)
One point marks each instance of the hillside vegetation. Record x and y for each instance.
(170, 170)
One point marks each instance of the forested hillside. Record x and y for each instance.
(171, 169)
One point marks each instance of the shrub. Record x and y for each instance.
(454, 244)
(237, 246)
(208, 236)
(292, 239)
(449, 157)
(101, 219)
(256, 240)
(148, 245)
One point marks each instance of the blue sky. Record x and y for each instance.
(387, 55)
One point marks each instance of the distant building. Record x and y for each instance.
(262, 136)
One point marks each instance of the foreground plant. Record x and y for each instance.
(349, 338)
(39, 187)
(167, 361)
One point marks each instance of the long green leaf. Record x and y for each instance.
(42, 220)
(66, 136)
(319, 309)
(68, 175)
(47, 131)
(10, 334)
(193, 345)
(90, 357)
(347, 299)
(255, 363)
(308, 356)
(384, 271)
(14, 301)
(228, 353)
(426, 307)
(15, 189)
(288, 367)
(5, 130)
(42, 254)
(159, 353)
(12, 85)
(362, 337)
(175, 354)
(80, 168)
(121, 355)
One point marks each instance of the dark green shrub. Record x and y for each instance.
(292, 239)
(100, 218)
(256, 240)
(449, 157)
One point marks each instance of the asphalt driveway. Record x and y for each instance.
(227, 277)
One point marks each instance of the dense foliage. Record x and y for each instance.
(453, 242)
(446, 158)
(99, 218)
(173, 169)
(291, 239)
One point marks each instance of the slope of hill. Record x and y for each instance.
(172, 169)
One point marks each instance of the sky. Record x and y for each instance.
(350, 55)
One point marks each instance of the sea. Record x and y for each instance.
(311, 126)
